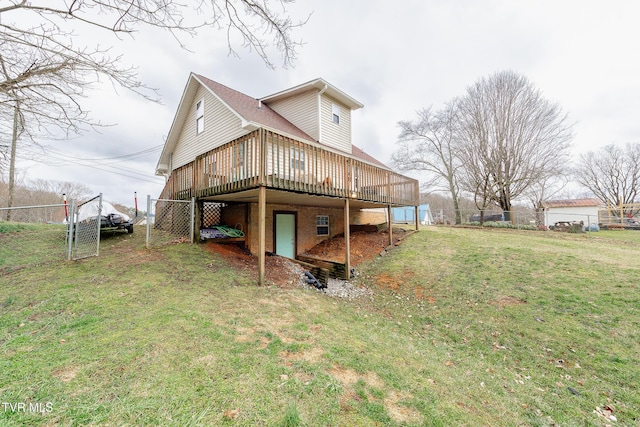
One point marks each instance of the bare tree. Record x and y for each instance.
(428, 145)
(45, 73)
(260, 24)
(73, 190)
(612, 173)
(475, 178)
(512, 135)
(543, 190)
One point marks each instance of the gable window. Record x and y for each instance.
(322, 225)
(297, 158)
(335, 112)
(200, 117)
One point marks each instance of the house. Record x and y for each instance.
(282, 168)
(406, 215)
(574, 210)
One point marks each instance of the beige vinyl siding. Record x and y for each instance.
(335, 135)
(220, 126)
(301, 110)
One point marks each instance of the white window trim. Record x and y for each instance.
(335, 114)
(200, 116)
(320, 223)
(296, 158)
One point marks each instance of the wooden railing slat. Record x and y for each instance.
(280, 162)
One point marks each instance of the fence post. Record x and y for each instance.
(70, 229)
(148, 231)
(98, 223)
(192, 216)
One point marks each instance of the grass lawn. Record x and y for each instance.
(464, 327)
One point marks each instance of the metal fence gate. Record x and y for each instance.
(84, 226)
(169, 221)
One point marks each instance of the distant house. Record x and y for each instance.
(282, 167)
(407, 215)
(574, 210)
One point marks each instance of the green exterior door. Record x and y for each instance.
(285, 234)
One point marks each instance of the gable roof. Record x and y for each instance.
(255, 113)
(572, 203)
(360, 154)
(252, 110)
(319, 84)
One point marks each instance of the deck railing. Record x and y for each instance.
(265, 158)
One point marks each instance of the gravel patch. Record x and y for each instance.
(344, 289)
(338, 288)
(335, 287)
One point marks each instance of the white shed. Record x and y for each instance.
(574, 210)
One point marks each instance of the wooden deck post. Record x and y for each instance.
(198, 220)
(390, 225)
(417, 219)
(347, 243)
(262, 212)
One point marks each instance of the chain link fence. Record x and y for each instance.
(39, 234)
(169, 221)
(33, 235)
(85, 229)
(519, 216)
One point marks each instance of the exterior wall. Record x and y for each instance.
(302, 111)
(332, 134)
(235, 216)
(220, 126)
(588, 215)
(369, 216)
(306, 233)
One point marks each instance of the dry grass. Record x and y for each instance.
(465, 327)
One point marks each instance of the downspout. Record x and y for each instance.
(324, 89)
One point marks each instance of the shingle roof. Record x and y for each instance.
(356, 152)
(571, 203)
(252, 110)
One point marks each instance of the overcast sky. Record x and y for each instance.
(394, 57)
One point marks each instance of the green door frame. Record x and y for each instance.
(295, 232)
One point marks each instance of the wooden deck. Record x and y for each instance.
(267, 159)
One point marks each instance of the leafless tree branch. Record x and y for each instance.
(513, 137)
(612, 173)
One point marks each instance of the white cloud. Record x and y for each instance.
(395, 57)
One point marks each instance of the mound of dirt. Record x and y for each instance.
(279, 271)
(284, 273)
(364, 245)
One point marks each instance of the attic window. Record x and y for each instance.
(335, 111)
(200, 117)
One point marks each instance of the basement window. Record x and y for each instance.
(200, 117)
(322, 225)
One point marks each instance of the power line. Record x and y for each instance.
(102, 159)
(129, 173)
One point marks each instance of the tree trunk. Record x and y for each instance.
(456, 207)
(12, 161)
(456, 202)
